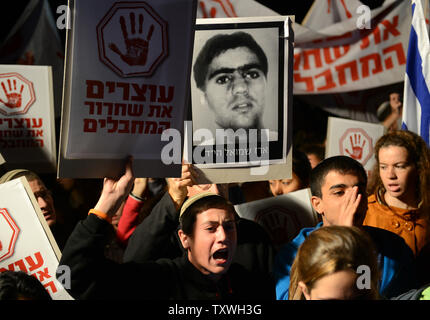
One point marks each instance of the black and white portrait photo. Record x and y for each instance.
(237, 87)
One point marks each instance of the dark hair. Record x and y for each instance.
(301, 167)
(418, 154)
(15, 285)
(221, 43)
(341, 164)
(188, 218)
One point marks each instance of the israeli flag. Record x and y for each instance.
(416, 101)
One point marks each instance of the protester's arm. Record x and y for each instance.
(130, 214)
(91, 273)
(156, 236)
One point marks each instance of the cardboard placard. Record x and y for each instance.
(126, 82)
(355, 139)
(26, 242)
(241, 99)
(27, 124)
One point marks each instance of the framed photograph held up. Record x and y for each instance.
(241, 99)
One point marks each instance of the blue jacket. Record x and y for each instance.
(396, 262)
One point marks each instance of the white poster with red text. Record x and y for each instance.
(27, 127)
(26, 242)
(355, 139)
(127, 81)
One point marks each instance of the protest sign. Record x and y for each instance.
(355, 139)
(27, 127)
(126, 82)
(282, 216)
(26, 242)
(241, 98)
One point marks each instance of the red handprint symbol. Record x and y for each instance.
(137, 47)
(357, 149)
(14, 98)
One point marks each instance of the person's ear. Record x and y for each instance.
(203, 100)
(184, 239)
(317, 204)
(304, 290)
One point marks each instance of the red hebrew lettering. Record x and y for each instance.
(328, 79)
(109, 106)
(366, 40)
(95, 89)
(140, 92)
(365, 61)
(19, 123)
(36, 125)
(121, 106)
(163, 126)
(102, 123)
(125, 123)
(39, 133)
(167, 112)
(317, 58)
(391, 27)
(35, 265)
(91, 105)
(151, 127)
(163, 98)
(111, 86)
(297, 59)
(90, 125)
(39, 143)
(125, 89)
(114, 123)
(153, 108)
(51, 286)
(398, 49)
(44, 274)
(225, 5)
(342, 73)
(307, 80)
(337, 53)
(153, 95)
(21, 265)
(135, 124)
(135, 110)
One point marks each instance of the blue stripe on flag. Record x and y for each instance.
(418, 84)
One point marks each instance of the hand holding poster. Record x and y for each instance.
(27, 117)
(27, 243)
(126, 82)
(355, 139)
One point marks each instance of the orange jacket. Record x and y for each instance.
(408, 224)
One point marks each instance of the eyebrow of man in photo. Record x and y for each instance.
(240, 69)
(343, 186)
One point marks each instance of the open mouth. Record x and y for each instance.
(221, 256)
(242, 107)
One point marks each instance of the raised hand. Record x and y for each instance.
(115, 191)
(357, 147)
(177, 187)
(137, 47)
(14, 97)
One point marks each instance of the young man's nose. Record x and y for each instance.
(277, 189)
(42, 202)
(240, 86)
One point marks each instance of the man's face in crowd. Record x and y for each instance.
(45, 201)
(335, 190)
(235, 89)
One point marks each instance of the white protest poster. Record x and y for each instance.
(26, 242)
(126, 82)
(27, 124)
(241, 98)
(355, 139)
(282, 216)
(2, 161)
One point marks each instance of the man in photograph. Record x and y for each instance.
(231, 73)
